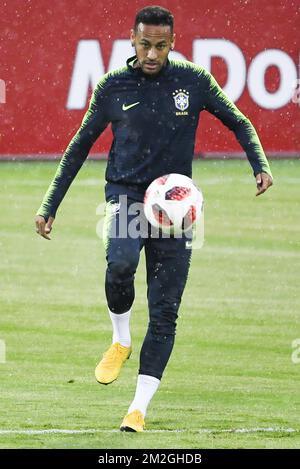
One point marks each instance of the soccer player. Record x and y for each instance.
(153, 104)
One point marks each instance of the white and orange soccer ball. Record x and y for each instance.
(173, 203)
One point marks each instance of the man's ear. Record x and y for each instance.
(173, 41)
(132, 37)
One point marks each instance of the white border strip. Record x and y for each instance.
(201, 430)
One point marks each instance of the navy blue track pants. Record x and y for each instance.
(167, 265)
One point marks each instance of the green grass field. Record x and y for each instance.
(231, 367)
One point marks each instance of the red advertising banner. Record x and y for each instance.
(53, 53)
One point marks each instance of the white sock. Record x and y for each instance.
(121, 331)
(145, 389)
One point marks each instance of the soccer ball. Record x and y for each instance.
(173, 203)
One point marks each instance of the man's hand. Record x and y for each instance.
(263, 181)
(43, 228)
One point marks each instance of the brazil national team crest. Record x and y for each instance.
(181, 98)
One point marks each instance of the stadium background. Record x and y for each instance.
(40, 45)
(233, 378)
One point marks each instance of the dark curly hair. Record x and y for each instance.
(156, 15)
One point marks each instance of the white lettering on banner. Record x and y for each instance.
(89, 68)
(121, 50)
(256, 78)
(87, 71)
(205, 49)
(175, 55)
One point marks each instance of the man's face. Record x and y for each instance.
(152, 45)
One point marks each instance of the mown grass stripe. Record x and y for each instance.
(201, 430)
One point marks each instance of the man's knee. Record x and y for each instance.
(121, 269)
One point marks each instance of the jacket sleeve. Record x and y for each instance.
(218, 104)
(93, 124)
